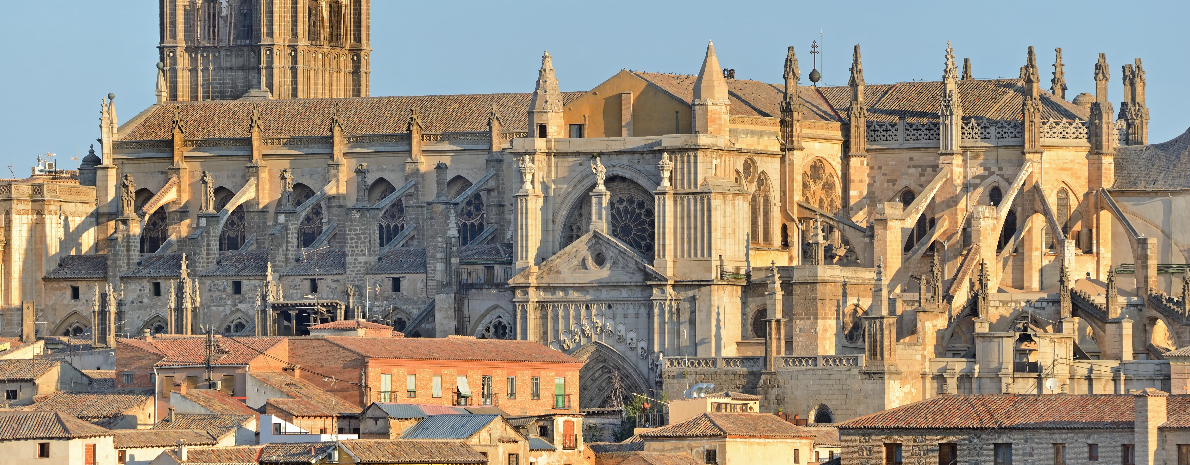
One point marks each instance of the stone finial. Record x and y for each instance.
(494, 118)
(178, 126)
(791, 74)
(255, 122)
(967, 69)
(162, 88)
(525, 164)
(857, 69)
(414, 122)
(951, 71)
(1029, 71)
(710, 85)
(1102, 76)
(665, 166)
(546, 95)
(1058, 83)
(599, 170)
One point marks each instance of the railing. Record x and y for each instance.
(742, 362)
(1059, 129)
(461, 400)
(755, 363)
(386, 396)
(492, 399)
(569, 441)
(1025, 367)
(561, 401)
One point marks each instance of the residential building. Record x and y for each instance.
(208, 401)
(725, 402)
(142, 447)
(23, 379)
(491, 435)
(388, 420)
(53, 438)
(109, 410)
(358, 328)
(228, 430)
(292, 399)
(732, 438)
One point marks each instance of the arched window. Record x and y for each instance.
(156, 230)
(235, 327)
(336, 23)
(921, 228)
(392, 220)
(630, 218)
(1061, 215)
(995, 196)
(315, 34)
(311, 225)
(759, 326)
(234, 232)
(357, 12)
(820, 186)
(244, 21)
(495, 329)
(762, 231)
(823, 414)
(471, 215)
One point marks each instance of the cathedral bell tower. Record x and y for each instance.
(231, 49)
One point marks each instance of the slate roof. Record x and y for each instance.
(452, 348)
(217, 402)
(46, 425)
(400, 260)
(413, 411)
(93, 407)
(412, 452)
(351, 324)
(306, 399)
(80, 267)
(24, 369)
(448, 426)
(158, 266)
(487, 253)
(609, 447)
(192, 350)
(738, 425)
(536, 443)
(1156, 166)
(1065, 412)
(233, 455)
(312, 117)
(320, 263)
(216, 425)
(143, 438)
(253, 263)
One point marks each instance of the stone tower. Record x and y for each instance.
(228, 49)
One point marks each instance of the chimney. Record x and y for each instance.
(147, 334)
(171, 415)
(181, 390)
(181, 449)
(1149, 413)
(292, 370)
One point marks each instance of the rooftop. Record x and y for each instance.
(234, 455)
(92, 406)
(402, 451)
(192, 350)
(1155, 166)
(24, 369)
(80, 267)
(448, 426)
(452, 349)
(15, 426)
(412, 411)
(352, 324)
(144, 438)
(253, 263)
(400, 260)
(306, 399)
(216, 425)
(1003, 411)
(736, 425)
(217, 402)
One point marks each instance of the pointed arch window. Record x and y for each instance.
(315, 16)
(234, 232)
(471, 214)
(336, 23)
(995, 196)
(762, 231)
(156, 230)
(1061, 215)
(244, 22)
(210, 20)
(392, 220)
(820, 187)
(631, 218)
(311, 225)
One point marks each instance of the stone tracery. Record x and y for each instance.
(631, 218)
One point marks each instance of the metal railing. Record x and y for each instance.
(569, 441)
(561, 401)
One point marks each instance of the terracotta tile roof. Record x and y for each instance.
(997, 99)
(1005, 412)
(454, 348)
(192, 350)
(320, 263)
(312, 117)
(281, 453)
(101, 380)
(738, 396)
(143, 438)
(486, 253)
(217, 425)
(46, 425)
(92, 407)
(400, 260)
(412, 452)
(234, 455)
(352, 324)
(448, 426)
(740, 425)
(748, 98)
(240, 263)
(651, 458)
(306, 399)
(609, 447)
(158, 266)
(217, 402)
(24, 369)
(824, 435)
(80, 267)
(1177, 412)
(1156, 166)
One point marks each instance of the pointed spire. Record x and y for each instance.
(1058, 83)
(1029, 74)
(857, 112)
(1102, 76)
(791, 107)
(967, 69)
(1101, 125)
(546, 95)
(792, 75)
(951, 71)
(857, 69)
(710, 84)
(950, 108)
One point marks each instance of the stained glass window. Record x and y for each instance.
(232, 236)
(631, 218)
(470, 219)
(311, 225)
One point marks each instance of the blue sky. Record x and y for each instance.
(61, 57)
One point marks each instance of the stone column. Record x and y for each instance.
(599, 210)
(1146, 267)
(528, 217)
(888, 242)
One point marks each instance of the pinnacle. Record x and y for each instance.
(710, 84)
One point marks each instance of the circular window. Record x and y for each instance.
(758, 324)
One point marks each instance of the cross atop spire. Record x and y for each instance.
(1058, 83)
(710, 84)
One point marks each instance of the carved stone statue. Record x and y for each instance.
(361, 183)
(208, 192)
(128, 196)
(599, 170)
(665, 166)
(527, 167)
(286, 189)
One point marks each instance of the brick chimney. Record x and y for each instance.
(292, 370)
(1149, 413)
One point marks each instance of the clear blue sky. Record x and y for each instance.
(61, 56)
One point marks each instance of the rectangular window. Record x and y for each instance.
(122, 456)
(463, 390)
(228, 385)
(560, 393)
(167, 385)
(948, 453)
(1183, 454)
(396, 284)
(89, 454)
(797, 456)
(511, 387)
(485, 388)
(708, 456)
(1059, 454)
(1003, 454)
(411, 385)
(514, 459)
(277, 428)
(535, 391)
(237, 287)
(152, 378)
(43, 450)
(892, 454)
(128, 378)
(10, 394)
(489, 274)
(437, 392)
(576, 131)
(1093, 452)
(74, 293)
(542, 132)
(1128, 454)
(386, 387)
(156, 288)
(313, 285)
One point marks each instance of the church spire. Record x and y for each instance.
(791, 107)
(710, 97)
(967, 69)
(950, 110)
(1101, 124)
(792, 76)
(1058, 83)
(1031, 108)
(857, 113)
(545, 108)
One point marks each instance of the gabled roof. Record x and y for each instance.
(312, 117)
(609, 447)
(101, 380)
(24, 369)
(995, 99)
(449, 426)
(92, 406)
(415, 411)
(400, 260)
(142, 438)
(486, 253)
(80, 267)
(650, 458)
(233, 455)
(306, 399)
(192, 350)
(1000, 411)
(217, 402)
(320, 263)
(736, 425)
(252, 263)
(217, 425)
(401, 451)
(452, 348)
(158, 266)
(1156, 166)
(824, 435)
(281, 453)
(352, 324)
(536, 443)
(15, 426)
(748, 98)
